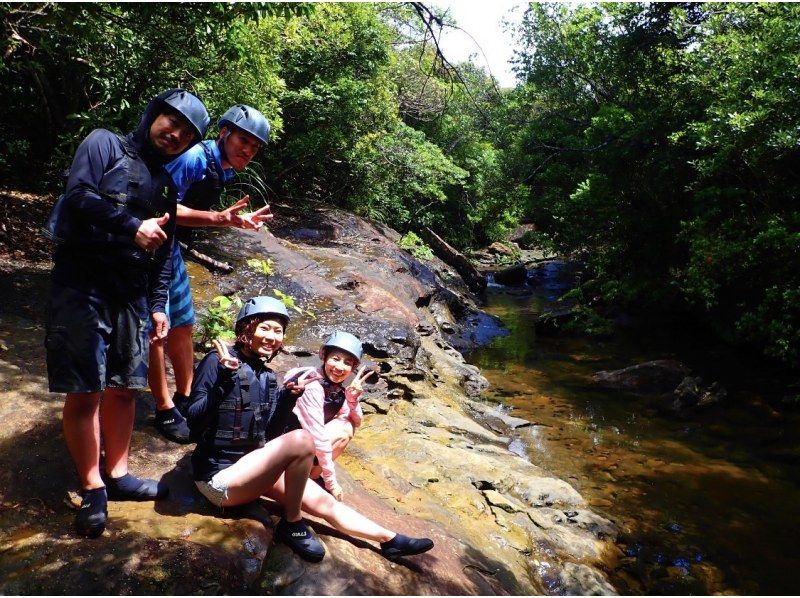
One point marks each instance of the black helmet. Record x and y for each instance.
(247, 119)
(188, 106)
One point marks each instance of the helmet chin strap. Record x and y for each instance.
(264, 358)
(221, 144)
(273, 355)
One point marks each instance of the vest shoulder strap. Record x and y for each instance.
(211, 164)
(127, 146)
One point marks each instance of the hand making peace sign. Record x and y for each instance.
(361, 377)
(250, 220)
(225, 358)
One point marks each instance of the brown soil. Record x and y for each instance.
(21, 218)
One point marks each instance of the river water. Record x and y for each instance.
(706, 503)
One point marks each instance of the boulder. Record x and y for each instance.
(659, 376)
(500, 249)
(578, 579)
(513, 275)
(692, 393)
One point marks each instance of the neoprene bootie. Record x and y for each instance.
(91, 518)
(129, 487)
(172, 425)
(299, 538)
(402, 545)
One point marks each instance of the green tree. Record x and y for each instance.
(68, 68)
(661, 141)
(743, 232)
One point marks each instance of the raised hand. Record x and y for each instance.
(231, 217)
(259, 217)
(150, 235)
(225, 358)
(299, 385)
(251, 220)
(361, 377)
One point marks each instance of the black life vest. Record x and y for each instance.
(127, 184)
(247, 409)
(334, 398)
(202, 195)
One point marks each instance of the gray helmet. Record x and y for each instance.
(262, 306)
(188, 106)
(344, 341)
(247, 119)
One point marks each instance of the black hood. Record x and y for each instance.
(140, 137)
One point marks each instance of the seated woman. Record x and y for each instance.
(235, 417)
(329, 411)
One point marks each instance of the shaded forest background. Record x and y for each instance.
(660, 143)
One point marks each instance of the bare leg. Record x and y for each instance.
(340, 434)
(288, 456)
(82, 435)
(157, 376)
(117, 413)
(320, 504)
(181, 354)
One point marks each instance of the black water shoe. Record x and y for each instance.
(402, 545)
(299, 538)
(129, 487)
(181, 403)
(93, 514)
(172, 425)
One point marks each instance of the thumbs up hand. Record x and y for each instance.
(150, 235)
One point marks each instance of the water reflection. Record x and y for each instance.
(703, 504)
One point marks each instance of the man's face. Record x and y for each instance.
(170, 133)
(239, 148)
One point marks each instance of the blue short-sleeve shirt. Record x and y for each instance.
(190, 167)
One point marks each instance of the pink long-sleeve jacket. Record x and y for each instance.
(310, 410)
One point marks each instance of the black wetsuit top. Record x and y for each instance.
(227, 422)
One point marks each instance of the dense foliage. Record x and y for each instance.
(659, 140)
(662, 140)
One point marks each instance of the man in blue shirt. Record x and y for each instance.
(111, 272)
(200, 175)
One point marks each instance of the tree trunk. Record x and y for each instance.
(452, 257)
(205, 260)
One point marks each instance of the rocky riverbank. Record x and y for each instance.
(431, 458)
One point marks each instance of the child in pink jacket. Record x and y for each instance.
(327, 410)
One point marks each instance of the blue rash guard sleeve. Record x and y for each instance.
(95, 156)
(187, 169)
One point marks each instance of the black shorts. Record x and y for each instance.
(94, 342)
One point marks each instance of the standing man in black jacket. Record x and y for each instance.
(110, 276)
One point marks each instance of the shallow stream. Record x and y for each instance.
(706, 502)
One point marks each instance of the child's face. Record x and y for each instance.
(267, 338)
(338, 365)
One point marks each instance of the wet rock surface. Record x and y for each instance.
(427, 461)
(662, 375)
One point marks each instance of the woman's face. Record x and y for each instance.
(338, 365)
(267, 338)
